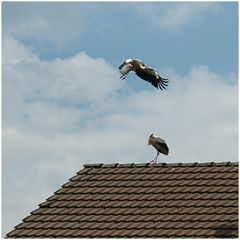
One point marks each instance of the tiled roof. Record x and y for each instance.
(140, 200)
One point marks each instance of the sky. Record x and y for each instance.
(64, 105)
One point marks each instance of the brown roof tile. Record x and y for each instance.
(140, 200)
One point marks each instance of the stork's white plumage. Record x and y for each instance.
(159, 144)
(143, 71)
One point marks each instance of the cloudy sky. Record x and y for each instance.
(63, 104)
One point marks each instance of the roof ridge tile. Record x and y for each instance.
(93, 165)
(138, 165)
(110, 165)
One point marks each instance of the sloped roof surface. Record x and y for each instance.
(140, 200)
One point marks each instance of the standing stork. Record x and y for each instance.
(143, 71)
(159, 144)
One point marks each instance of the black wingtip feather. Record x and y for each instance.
(164, 84)
(163, 87)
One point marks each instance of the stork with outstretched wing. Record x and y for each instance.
(143, 71)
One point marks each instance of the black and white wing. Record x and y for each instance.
(125, 68)
(154, 79)
(162, 146)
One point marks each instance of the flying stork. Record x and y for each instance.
(159, 144)
(143, 71)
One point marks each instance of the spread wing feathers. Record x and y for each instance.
(162, 146)
(154, 79)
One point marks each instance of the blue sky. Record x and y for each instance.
(64, 104)
(209, 39)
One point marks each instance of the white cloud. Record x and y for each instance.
(174, 16)
(39, 86)
(60, 114)
(14, 52)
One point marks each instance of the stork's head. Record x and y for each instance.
(150, 139)
(128, 60)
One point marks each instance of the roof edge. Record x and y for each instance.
(130, 165)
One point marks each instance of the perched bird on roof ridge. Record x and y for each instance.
(143, 71)
(159, 144)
